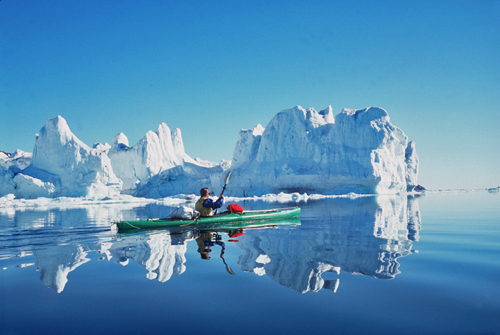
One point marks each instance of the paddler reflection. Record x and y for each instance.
(205, 244)
(206, 241)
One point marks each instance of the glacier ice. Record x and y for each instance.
(299, 151)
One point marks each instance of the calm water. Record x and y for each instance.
(386, 265)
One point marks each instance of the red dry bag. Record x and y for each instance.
(235, 208)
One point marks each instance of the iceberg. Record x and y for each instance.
(62, 165)
(155, 152)
(306, 151)
(157, 166)
(299, 151)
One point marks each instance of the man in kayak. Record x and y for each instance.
(205, 205)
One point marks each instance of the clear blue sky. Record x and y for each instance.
(212, 68)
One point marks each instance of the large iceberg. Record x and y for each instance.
(300, 150)
(306, 151)
(62, 165)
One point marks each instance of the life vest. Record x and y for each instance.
(204, 211)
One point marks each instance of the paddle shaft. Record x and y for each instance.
(228, 177)
(223, 189)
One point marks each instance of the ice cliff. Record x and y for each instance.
(299, 150)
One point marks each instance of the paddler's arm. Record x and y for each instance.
(209, 203)
(219, 201)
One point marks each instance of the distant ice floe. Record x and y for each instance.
(465, 190)
(9, 201)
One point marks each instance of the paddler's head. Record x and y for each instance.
(205, 255)
(205, 192)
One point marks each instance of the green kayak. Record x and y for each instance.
(216, 220)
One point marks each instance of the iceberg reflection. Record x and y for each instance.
(363, 236)
(161, 254)
(55, 263)
(358, 236)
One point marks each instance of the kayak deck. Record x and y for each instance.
(223, 218)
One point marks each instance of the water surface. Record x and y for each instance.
(374, 265)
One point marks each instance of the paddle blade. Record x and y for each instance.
(228, 176)
(228, 269)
